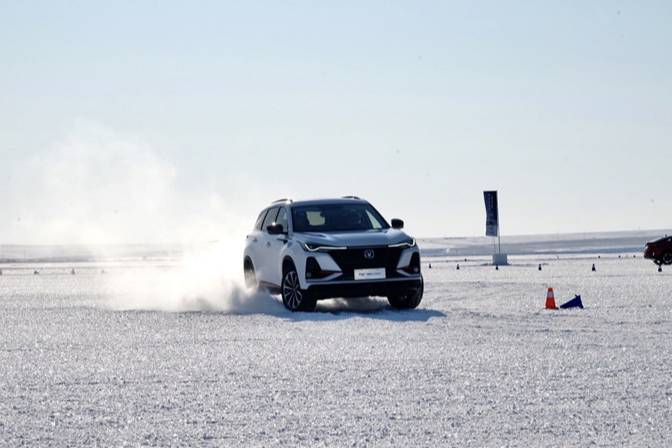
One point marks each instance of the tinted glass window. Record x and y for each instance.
(337, 218)
(374, 221)
(282, 219)
(315, 218)
(260, 219)
(270, 218)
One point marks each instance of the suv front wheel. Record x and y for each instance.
(293, 297)
(408, 300)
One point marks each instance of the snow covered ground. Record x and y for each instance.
(480, 363)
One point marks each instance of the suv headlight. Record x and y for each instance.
(315, 247)
(405, 244)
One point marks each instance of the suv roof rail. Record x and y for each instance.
(350, 197)
(281, 200)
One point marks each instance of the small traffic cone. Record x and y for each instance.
(458, 266)
(540, 267)
(550, 300)
(593, 268)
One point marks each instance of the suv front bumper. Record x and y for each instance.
(360, 288)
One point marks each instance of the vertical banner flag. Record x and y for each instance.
(492, 213)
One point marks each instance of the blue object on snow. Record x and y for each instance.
(574, 303)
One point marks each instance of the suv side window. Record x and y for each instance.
(260, 220)
(282, 219)
(270, 217)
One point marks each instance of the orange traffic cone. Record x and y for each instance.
(550, 300)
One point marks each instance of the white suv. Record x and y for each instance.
(311, 250)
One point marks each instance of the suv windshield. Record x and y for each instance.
(337, 218)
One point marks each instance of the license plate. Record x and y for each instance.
(369, 274)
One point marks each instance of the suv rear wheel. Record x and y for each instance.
(407, 300)
(250, 276)
(293, 297)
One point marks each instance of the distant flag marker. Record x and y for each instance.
(492, 225)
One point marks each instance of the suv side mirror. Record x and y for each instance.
(397, 223)
(275, 229)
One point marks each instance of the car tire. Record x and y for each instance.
(250, 275)
(408, 300)
(667, 258)
(293, 297)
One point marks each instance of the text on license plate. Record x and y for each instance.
(369, 274)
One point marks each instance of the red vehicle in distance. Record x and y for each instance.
(660, 250)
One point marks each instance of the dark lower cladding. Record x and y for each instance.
(364, 289)
(270, 287)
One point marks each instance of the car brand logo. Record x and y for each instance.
(369, 254)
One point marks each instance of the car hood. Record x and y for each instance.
(368, 238)
(659, 240)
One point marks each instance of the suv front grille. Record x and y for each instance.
(353, 258)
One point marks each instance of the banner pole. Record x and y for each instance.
(499, 238)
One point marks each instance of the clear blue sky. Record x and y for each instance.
(564, 107)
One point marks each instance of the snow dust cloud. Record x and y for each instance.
(205, 280)
(99, 188)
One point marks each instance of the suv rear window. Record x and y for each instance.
(260, 220)
(270, 217)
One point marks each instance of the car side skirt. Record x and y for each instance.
(272, 288)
